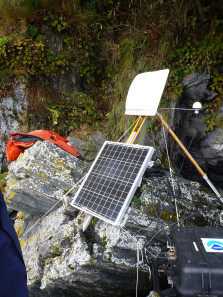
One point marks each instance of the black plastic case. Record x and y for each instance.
(198, 272)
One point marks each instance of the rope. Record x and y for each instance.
(54, 234)
(171, 175)
(137, 267)
(127, 130)
(64, 197)
(178, 108)
(138, 262)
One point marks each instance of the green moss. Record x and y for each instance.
(48, 261)
(3, 181)
(203, 201)
(110, 259)
(79, 221)
(166, 216)
(136, 200)
(71, 267)
(57, 250)
(104, 240)
(94, 221)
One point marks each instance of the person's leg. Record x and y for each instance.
(12, 269)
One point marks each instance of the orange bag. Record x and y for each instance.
(21, 141)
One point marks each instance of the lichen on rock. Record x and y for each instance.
(41, 176)
(62, 260)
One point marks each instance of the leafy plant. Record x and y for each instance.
(3, 180)
(136, 200)
(211, 118)
(110, 44)
(69, 113)
(57, 21)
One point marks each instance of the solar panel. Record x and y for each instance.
(112, 180)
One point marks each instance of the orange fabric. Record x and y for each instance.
(12, 151)
(56, 139)
(43, 134)
(15, 148)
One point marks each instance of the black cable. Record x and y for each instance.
(159, 224)
(189, 145)
(158, 213)
(158, 208)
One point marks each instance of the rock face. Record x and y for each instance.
(89, 148)
(205, 147)
(45, 173)
(195, 89)
(12, 112)
(69, 82)
(42, 176)
(64, 261)
(61, 260)
(13, 109)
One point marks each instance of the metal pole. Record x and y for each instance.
(190, 157)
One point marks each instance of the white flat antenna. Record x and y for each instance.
(143, 99)
(145, 93)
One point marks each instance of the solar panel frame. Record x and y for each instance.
(106, 174)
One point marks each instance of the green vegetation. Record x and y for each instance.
(71, 267)
(109, 42)
(136, 200)
(94, 221)
(104, 240)
(3, 180)
(57, 251)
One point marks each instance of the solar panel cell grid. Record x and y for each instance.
(110, 180)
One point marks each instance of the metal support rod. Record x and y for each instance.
(136, 129)
(189, 156)
(86, 221)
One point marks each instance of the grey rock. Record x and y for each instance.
(62, 260)
(195, 87)
(205, 147)
(209, 95)
(54, 41)
(68, 83)
(90, 148)
(212, 151)
(79, 144)
(98, 139)
(13, 111)
(42, 176)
